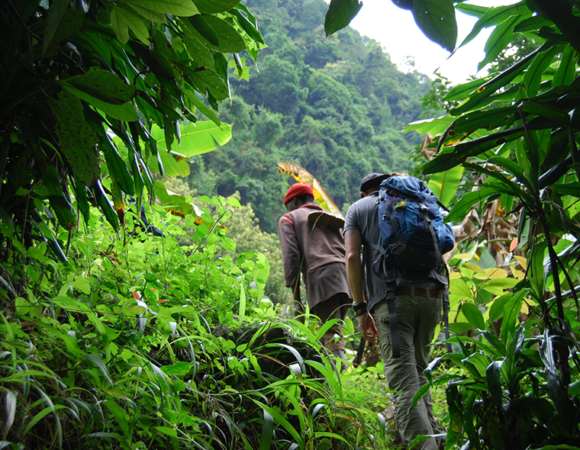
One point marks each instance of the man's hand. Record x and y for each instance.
(367, 327)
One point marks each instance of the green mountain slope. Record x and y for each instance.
(333, 105)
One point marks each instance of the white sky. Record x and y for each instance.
(397, 32)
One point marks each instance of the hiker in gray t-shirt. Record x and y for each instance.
(418, 312)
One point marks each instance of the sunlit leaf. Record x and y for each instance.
(445, 184)
(473, 314)
(198, 138)
(173, 7)
(303, 176)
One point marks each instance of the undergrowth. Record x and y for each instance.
(139, 342)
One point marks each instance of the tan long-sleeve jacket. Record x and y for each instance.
(306, 247)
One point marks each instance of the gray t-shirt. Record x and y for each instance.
(362, 216)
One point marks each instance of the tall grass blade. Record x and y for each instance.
(282, 421)
(267, 430)
(10, 401)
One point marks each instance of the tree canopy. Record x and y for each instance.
(335, 106)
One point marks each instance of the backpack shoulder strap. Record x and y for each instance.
(431, 231)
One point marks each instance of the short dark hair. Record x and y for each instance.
(304, 198)
(372, 180)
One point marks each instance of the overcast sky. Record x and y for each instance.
(397, 32)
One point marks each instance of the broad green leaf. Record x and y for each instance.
(339, 14)
(58, 200)
(461, 91)
(490, 87)
(492, 16)
(527, 159)
(205, 31)
(572, 189)
(179, 369)
(125, 112)
(198, 138)
(168, 431)
(148, 14)
(472, 10)
(478, 362)
(173, 164)
(537, 274)
(431, 126)
(118, 167)
(229, 40)
(460, 327)
(233, 201)
(574, 388)
(497, 286)
(184, 8)
(500, 37)
(208, 81)
(105, 206)
(473, 267)
(173, 202)
(452, 156)
(134, 23)
(436, 18)
(201, 106)
(473, 314)
(488, 119)
(511, 166)
(119, 25)
(496, 307)
(56, 12)
(445, 184)
(106, 91)
(458, 286)
(76, 137)
(511, 311)
(196, 45)
(215, 6)
(83, 284)
(493, 375)
(533, 76)
(469, 199)
(565, 73)
(491, 274)
(248, 26)
(533, 24)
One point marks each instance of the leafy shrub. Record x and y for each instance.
(140, 342)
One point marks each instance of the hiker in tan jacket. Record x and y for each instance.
(318, 253)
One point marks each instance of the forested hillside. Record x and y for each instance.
(333, 105)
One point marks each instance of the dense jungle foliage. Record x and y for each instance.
(132, 317)
(336, 106)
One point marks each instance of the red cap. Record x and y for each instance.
(296, 190)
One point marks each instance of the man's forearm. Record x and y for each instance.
(353, 265)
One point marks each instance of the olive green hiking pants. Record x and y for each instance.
(417, 318)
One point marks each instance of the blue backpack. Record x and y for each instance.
(413, 238)
(413, 235)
